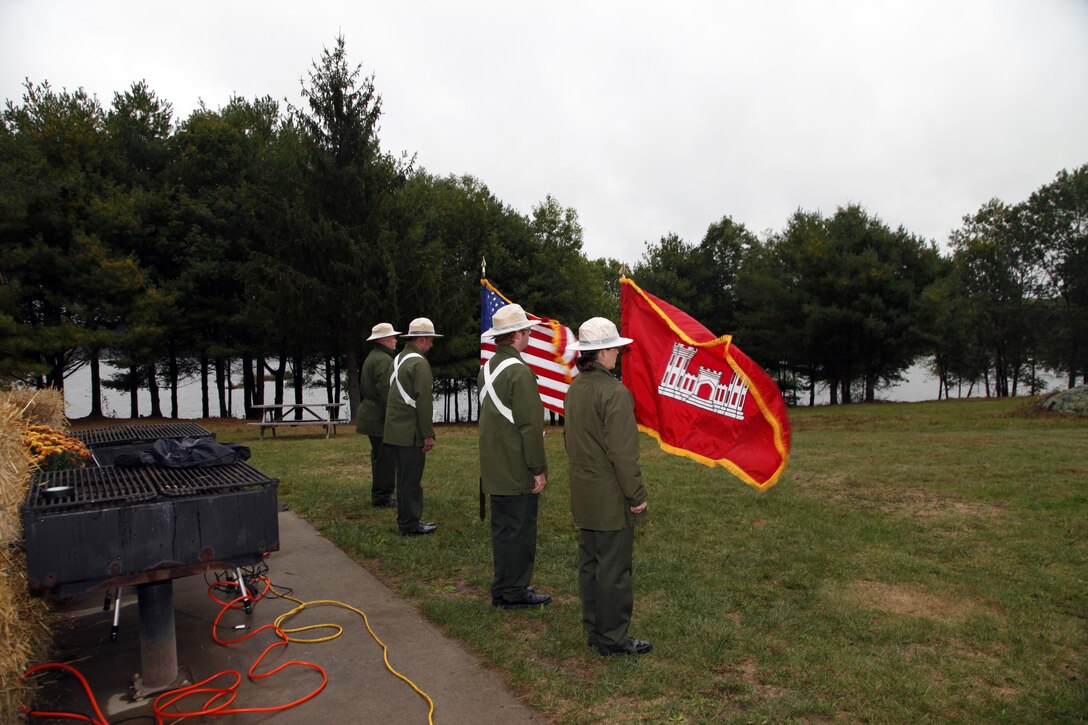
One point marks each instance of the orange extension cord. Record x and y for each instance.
(219, 698)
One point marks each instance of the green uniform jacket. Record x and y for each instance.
(374, 382)
(406, 425)
(511, 453)
(602, 450)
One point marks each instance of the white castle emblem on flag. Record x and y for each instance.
(704, 390)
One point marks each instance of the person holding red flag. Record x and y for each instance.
(606, 489)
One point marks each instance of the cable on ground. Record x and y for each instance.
(219, 698)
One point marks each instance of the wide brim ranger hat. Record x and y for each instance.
(421, 327)
(599, 333)
(380, 330)
(509, 318)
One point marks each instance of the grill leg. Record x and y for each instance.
(242, 588)
(116, 616)
(158, 643)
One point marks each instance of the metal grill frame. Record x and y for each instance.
(119, 526)
(124, 544)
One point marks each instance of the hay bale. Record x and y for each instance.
(43, 407)
(14, 471)
(24, 630)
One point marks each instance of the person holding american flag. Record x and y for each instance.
(513, 464)
(549, 354)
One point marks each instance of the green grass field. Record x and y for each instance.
(917, 562)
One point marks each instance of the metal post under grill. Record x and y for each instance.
(158, 645)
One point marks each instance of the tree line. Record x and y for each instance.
(269, 240)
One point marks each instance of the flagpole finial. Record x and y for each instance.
(623, 270)
(483, 267)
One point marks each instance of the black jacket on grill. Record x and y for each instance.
(185, 453)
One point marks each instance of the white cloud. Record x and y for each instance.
(647, 118)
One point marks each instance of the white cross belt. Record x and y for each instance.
(394, 378)
(488, 391)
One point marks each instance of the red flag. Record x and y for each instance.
(699, 395)
(547, 354)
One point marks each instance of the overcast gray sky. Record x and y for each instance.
(645, 117)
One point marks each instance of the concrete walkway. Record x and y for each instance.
(360, 688)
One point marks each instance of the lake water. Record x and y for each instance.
(919, 385)
(115, 404)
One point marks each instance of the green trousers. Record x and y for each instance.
(604, 579)
(410, 462)
(513, 544)
(383, 469)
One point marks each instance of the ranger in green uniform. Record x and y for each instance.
(409, 428)
(513, 466)
(370, 420)
(606, 489)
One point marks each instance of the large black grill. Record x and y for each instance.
(108, 527)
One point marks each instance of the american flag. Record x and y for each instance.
(547, 355)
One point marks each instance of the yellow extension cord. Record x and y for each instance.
(338, 631)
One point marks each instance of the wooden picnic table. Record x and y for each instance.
(274, 415)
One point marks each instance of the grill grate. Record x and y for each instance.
(115, 434)
(208, 479)
(98, 487)
(86, 487)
